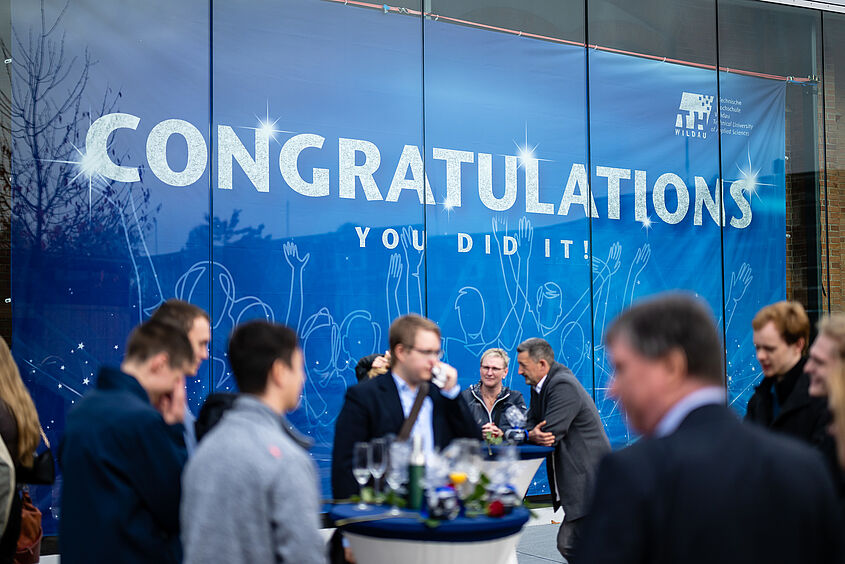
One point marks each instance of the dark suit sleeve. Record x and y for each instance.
(459, 418)
(351, 427)
(615, 527)
(562, 405)
(156, 455)
(759, 408)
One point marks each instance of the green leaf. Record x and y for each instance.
(492, 440)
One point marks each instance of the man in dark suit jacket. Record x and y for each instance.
(701, 487)
(563, 415)
(377, 407)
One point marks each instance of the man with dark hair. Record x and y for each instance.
(195, 323)
(379, 406)
(700, 487)
(122, 456)
(562, 414)
(212, 410)
(250, 491)
(191, 319)
(781, 401)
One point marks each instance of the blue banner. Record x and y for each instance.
(319, 167)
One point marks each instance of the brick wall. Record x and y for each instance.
(834, 91)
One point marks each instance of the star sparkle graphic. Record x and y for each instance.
(88, 166)
(267, 125)
(526, 152)
(748, 175)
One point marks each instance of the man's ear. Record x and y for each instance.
(158, 362)
(276, 376)
(675, 362)
(400, 352)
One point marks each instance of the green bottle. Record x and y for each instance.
(416, 475)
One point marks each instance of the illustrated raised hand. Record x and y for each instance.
(292, 255)
(524, 237)
(614, 256)
(740, 281)
(641, 259)
(407, 238)
(499, 224)
(394, 271)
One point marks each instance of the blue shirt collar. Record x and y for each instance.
(673, 418)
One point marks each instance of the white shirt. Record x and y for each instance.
(424, 425)
(677, 413)
(539, 385)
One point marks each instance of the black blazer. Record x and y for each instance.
(372, 409)
(713, 491)
(802, 416)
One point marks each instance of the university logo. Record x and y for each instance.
(693, 115)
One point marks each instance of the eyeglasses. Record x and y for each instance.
(437, 353)
(489, 368)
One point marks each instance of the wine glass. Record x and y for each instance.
(377, 462)
(508, 456)
(397, 470)
(361, 468)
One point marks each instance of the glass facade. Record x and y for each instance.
(510, 170)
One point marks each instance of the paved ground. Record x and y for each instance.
(538, 544)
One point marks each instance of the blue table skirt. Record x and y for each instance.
(526, 452)
(462, 529)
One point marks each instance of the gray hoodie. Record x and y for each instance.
(249, 493)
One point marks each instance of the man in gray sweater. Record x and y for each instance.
(249, 493)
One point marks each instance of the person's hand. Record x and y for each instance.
(348, 555)
(492, 429)
(172, 405)
(540, 437)
(381, 362)
(450, 374)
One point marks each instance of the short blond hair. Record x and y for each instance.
(495, 352)
(789, 319)
(833, 327)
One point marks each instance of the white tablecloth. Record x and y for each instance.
(370, 550)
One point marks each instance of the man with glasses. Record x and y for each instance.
(489, 399)
(378, 407)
